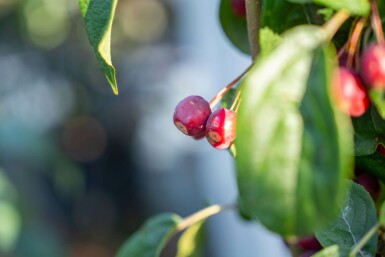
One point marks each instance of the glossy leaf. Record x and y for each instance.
(151, 238)
(355, 7)
(357, 216)
(373, 164)
(378, 99)
(268, 41)
(293, 146)
(364, 146)
(366, 138)
(191, 242)
(381, 216)
(228, 98)
(234, 27)
(98, 16)
(331, 251)
(377, 120)
(290, 15)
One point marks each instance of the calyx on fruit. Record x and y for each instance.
(220, 128)
(191, 114)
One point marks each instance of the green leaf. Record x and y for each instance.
(293, 146)
(377, 120)
(331, 251)
(280, 15)
(191, 242)
(98, 16)
(378, 98)
(381, 216)
(234, 27)
(364, 126)
(229, 98)
(268, 41)
(366, 138)
(364, 146)
(151, 238)
(355, 7)
(357, 216)
(373, 164)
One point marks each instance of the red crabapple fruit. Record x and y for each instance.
(239, 7)
(372, 66)
(191, 114)
(351, 94)
(309, 243)
(220, 128)
(370, 183)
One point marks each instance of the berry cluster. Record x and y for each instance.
(351, 94)
(194, 117)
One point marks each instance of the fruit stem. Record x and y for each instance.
(357, 248)
(215, 100)
(376, 22)
(202, 215)
(354, 41)
(332, 26)
(235, 100)
(253, 14)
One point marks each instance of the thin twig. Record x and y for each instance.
(202, 215)
(364, 240)
(215, 100)
(333, 25)
(376, 22)
(354, 39)
(253, 14)
(235, 100)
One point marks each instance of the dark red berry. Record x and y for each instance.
(381, 149)
(220, 128)
(370, 183)
(351, 94)
(309, 243)
(238, 7)
(191, 114)
(372, 67)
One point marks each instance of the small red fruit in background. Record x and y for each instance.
(220, 128)
(381, 149)
(309, 243)
(351, 95)
(191, 114)
(369, 182)
(239, 7)
(372, 67)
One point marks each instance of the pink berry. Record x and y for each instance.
(372, 67)
(191, 114)
(220, 128)
(370, 183)
(309, 243)
(238, 7)
(350, 92)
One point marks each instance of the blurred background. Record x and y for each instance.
(80, 168)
